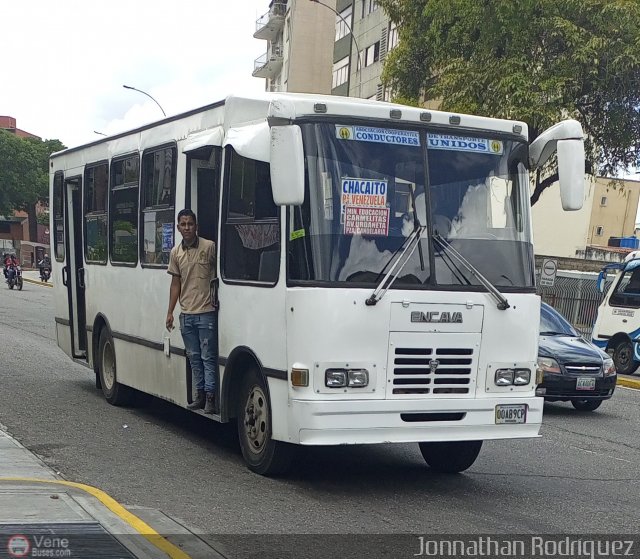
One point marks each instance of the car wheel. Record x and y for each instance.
(450, 457)
(261, 453)
(623, 358)
(114, 392)
(586, 405)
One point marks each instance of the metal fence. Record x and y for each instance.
(575, 295)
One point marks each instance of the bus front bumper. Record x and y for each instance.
(323, 422)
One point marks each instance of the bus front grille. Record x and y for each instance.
(432, 371)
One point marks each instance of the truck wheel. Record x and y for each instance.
(114, 392)
(623, 358)
(586, 405)
(261, 453)
(450, 457)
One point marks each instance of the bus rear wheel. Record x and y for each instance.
(114, 392)
(450, 457)
(261, 453)
(623, 358)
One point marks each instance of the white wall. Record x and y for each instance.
(560, 233)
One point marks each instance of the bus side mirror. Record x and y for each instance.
(571, 173)
(602, 278)
(287, 165)
(565, 138)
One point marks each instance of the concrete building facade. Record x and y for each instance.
(298, 57)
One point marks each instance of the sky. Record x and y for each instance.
(64, 62)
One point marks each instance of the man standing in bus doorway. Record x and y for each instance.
(192, 268)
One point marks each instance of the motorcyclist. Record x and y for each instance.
(10, 266)
(44, 264)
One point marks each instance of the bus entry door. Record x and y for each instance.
(73, 272)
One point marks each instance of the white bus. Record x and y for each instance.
(617, 326)
(375, 262)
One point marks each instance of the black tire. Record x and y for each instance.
(623, 358)
(261, 453)
(114, 392)
(586, 405)
(19, 284)
(450, 457)
(10, 285)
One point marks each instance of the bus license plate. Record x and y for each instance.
(585, 383)
(511, 413)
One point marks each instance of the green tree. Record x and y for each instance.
(24, 174)
(538, 61)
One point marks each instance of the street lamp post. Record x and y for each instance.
(353, 37)
(145, 93)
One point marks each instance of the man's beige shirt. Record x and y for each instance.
(196, 268)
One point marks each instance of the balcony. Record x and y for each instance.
(269, 64)
(270, 25)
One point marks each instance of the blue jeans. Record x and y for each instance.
(200, 336)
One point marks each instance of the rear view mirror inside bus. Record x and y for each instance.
(287, 165)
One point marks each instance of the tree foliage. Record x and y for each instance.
(538, 61)
(24, 171)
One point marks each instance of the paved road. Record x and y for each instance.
(582, 476)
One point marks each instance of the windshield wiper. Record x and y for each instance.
(412, 242)
(503, 304)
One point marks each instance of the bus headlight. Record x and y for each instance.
(609, 368)
(341, 378)
(504, 377)
(522, 377)
(335, 378)
(358, 378)
(517, 377)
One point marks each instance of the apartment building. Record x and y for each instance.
(334, 47)
(299, 54)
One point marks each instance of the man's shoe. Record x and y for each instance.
(211, 406)
(199, 402)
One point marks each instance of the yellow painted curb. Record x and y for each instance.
(628, 382)
(136, 523)
(36, 282)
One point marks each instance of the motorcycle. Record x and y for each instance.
(16, 279)
(45, 273)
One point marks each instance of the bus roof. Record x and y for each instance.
(239, 110)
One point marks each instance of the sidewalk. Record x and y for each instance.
(43, 515)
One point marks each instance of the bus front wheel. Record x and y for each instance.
(623, 358)
(450, 457)
(261, 453)
(114, 392)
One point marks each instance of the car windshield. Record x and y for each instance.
(552, 323)
(369, 188)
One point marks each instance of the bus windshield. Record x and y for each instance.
(368, 188)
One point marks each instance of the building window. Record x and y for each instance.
(159, 183)
(96, 191)
(371, 54)
(342, 29)
(340, 72)
(393, 37)
(123, 209)
(369, 6)
(603, 201)
(599, 230)
(251, 232)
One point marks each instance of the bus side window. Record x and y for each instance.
(250, 245)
